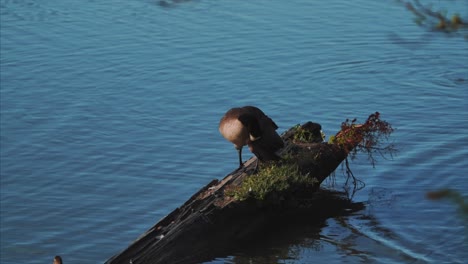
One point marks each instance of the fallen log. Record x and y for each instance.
(227, 212)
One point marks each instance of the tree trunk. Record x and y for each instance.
(211, 221)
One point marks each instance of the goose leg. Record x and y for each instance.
(239, 150)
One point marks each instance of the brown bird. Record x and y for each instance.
(248, 125)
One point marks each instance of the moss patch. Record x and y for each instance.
(271, 179)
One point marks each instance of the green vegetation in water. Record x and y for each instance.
(453, 196)
(425, 15)
(271, 178)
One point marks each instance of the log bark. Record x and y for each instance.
(212, 222)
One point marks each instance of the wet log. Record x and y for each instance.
(212, 222)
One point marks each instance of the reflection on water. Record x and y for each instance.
(366, 238)
(285, 238)
(278, 246)
(171, 3)
(352, 237)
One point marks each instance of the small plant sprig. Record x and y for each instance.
(363, 138)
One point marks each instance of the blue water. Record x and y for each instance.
(109, 114)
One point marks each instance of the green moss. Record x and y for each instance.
(272, 178)
(304, 135)
(301, 134)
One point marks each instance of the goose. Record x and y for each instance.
(248, 125)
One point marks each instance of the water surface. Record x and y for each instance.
(109, 114)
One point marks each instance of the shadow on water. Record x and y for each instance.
(312, 241)
(354, 235)
(284, 238)
(280, 243)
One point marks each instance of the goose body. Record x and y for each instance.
(248, 125)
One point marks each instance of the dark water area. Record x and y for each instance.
(109, 114)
